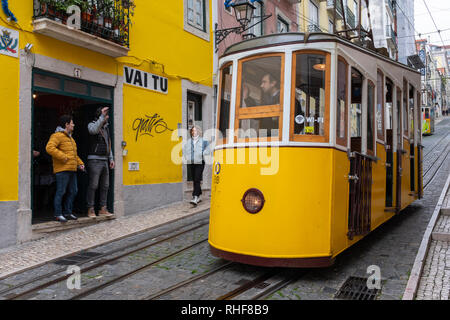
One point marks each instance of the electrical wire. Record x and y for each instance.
(439, 31)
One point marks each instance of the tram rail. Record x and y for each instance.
(101, 261)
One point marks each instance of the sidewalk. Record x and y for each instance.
(34, 253)
(430, 275)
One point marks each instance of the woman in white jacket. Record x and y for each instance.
(193, 152)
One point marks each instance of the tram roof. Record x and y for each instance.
(288, 38)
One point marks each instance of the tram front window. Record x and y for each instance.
(309, 109)
(259, 98)
(260, 82)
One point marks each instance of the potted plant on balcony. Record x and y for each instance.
(48, 7)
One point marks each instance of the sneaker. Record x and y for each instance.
(70, 216)
(104, 212)
(60, 219)
(199, 199)
(194, 200)
(91, 213)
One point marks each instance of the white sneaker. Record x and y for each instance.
(194, 200)
(199, 199)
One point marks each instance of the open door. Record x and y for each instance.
(399, 169)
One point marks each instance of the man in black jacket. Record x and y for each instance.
(100, 160)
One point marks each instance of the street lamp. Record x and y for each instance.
(243, 11)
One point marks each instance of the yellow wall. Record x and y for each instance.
(9, 124)
(159, 45)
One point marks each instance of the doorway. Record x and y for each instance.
(53, 96)
(194, 116)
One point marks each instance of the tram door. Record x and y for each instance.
(389, 145)
(411, 137)
(398, 110)
(194, 116)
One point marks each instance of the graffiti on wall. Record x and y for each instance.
(149, 125)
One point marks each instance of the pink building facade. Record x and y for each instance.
(284, 18)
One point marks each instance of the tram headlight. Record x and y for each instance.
(253, 200)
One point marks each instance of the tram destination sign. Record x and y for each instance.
(145, 80)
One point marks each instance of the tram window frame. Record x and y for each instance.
(370, 118)
(326, 122)
(380, 106)
(405, 110)
(356, 140)
(263, 111)
(399, 111)
(342, 141)
(411, 94)
(224, 138)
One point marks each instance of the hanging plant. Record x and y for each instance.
(7, 11)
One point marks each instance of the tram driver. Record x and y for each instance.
(271, 90)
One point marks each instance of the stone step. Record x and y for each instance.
(441, 230)
(53, 226)
(445, 209)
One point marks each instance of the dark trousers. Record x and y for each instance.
(98, 179)
(197, 176)
(66, 183)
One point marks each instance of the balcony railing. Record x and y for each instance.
(313, 28)
(339, 11)
(107, 19)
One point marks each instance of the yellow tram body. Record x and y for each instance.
(304, 184)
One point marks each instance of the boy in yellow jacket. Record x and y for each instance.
(63, 149)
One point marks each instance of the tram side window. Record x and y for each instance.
(405, 108)
(388, 110)
(355, 111)
(370, 117)
(380, 107)
(260, 97)
(341, 105)
(309, 99)
(411, 112)
(225, 98)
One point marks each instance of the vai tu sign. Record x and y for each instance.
(9, 42)
(145, 80)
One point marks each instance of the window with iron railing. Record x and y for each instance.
(108, 19)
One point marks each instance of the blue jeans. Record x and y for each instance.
(66, 183)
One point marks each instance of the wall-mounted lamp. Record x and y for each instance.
(124, 151)
(243, 11)
(28, 47)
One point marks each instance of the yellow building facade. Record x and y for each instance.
(149, 61)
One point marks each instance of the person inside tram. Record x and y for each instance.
(271, 90)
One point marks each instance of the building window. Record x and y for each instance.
(196, 13)
(330, 26)
(196, 18)
(257, 29)
(282, 25)
(313, 13)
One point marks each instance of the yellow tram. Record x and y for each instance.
(428, 120)
(318, 144)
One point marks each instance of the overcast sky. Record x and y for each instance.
(440, 11)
